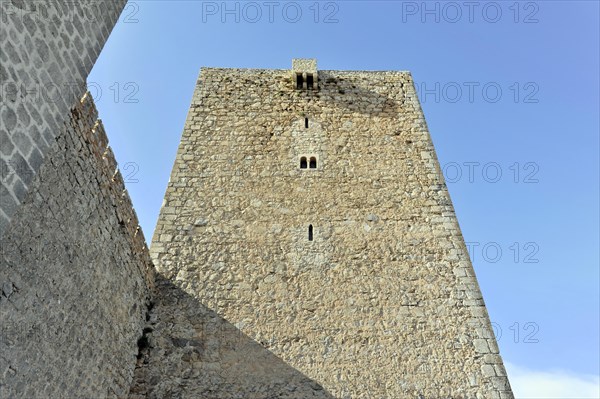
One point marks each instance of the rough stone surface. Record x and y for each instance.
(44, 64)
(381, 303)
(193, 352)
(347, 278)
(75, 274)
(304, 65)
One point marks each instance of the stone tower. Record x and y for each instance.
(311, 241)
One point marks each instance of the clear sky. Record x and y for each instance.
(510, 91)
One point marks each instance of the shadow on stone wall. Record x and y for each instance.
(349, 92)
(189, 351)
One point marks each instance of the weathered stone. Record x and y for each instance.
(7, 289)
(281, 289)
(488, 370)
(38, 71)
(6, 146)
(9, 118)
(481, 346)
(200, 222)
(77, 280)
(372, 218)
(308, 257)
(7, 202)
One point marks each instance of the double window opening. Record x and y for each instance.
(305, 81)
(308, 162)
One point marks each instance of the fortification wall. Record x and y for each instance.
(75, 274)
(381, 303)
(48, 50)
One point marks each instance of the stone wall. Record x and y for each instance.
(193, 352)
(48, 50)
(382, 303)
(75, 274)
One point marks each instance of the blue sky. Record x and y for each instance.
(510, 91)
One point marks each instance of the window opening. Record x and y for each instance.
(303, 163)
(309, 81)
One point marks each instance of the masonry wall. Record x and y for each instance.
(75, 274)
(48, 50)
(382, 303)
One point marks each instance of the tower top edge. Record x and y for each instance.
(256, 70)
(304, 64)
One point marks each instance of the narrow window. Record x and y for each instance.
(303, 163)
(309, 81)
(306, 123)
(313, 163)
(299, 81)
(310, 232)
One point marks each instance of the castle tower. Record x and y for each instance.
(306, 210)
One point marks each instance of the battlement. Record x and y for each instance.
(85, 120)
(86, 115)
